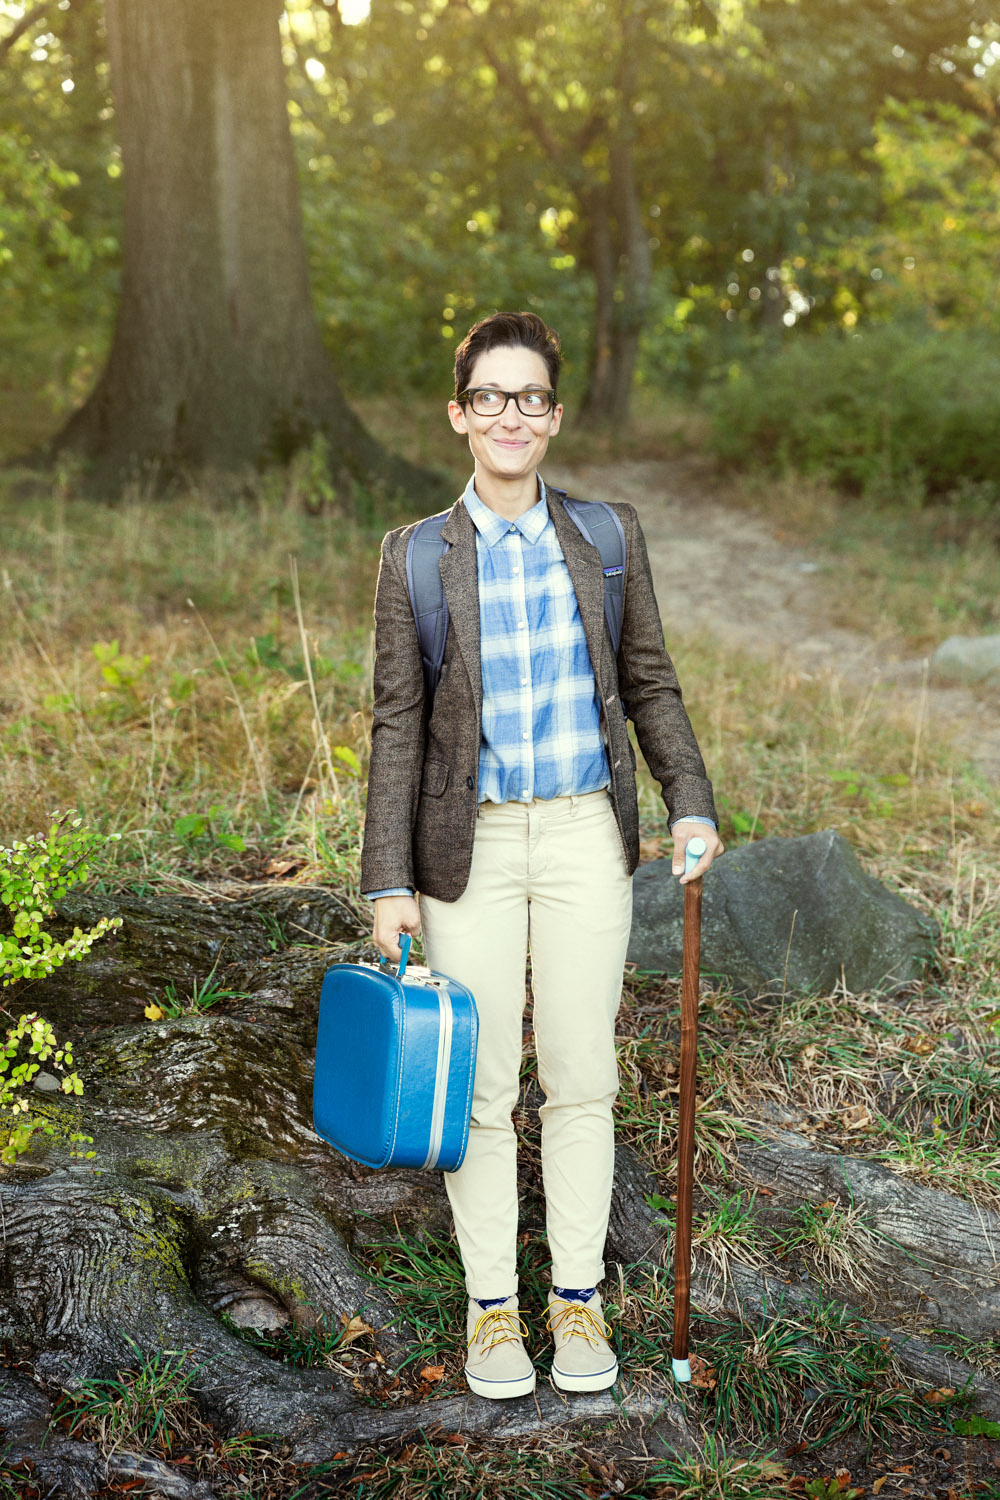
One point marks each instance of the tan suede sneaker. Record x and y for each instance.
(497, 1365)
(584, 1360)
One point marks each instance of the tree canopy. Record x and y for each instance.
(670, 185)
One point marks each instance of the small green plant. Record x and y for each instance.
(726, 1231)
(759, 1374)
(141, 1407)
(863, 1391)
(121, 672)
(837, 1238)
(211, 827)
(309, 480)
(204, 994)
(277, 937)
(831, 1489)
(712, 1473)
(34, 873)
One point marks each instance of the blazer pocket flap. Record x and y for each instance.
(435, 778)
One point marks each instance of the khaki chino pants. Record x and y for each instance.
(549, 876)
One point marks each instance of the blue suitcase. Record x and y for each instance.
(395, 1063)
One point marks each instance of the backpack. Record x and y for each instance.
(596, 521)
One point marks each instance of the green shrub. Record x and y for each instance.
(888, 411)
(34, 873)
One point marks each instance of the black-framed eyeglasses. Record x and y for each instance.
(487, 402)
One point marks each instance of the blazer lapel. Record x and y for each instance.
(460, 577)
(584, 563)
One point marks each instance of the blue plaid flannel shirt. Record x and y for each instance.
(541, 715)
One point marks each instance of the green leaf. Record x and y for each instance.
(976, 1426)
(191, 826)
(346, 754)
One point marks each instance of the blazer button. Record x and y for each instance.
(470, 783)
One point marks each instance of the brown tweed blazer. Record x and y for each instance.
(422, 779)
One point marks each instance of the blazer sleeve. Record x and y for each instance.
(399, 729)
(651, 692)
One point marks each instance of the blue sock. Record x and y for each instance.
(487, 1302)
(571, 1294)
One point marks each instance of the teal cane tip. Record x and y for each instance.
(682, 1370)
(693, 851)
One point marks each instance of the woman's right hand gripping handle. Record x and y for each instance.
(393, 915)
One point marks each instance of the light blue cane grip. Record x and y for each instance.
(693, 851)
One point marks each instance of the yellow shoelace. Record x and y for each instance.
(508, 1327)
(567, 1318)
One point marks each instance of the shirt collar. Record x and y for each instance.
(492, 527)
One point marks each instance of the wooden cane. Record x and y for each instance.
(685, 1113)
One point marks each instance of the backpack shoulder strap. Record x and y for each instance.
(602, 527)
(424, 551)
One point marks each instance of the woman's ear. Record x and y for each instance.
(456, 414)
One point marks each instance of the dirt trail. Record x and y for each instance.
(723, 570)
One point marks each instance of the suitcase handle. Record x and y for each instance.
(404, 945)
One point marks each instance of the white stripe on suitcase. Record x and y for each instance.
(441, 1078)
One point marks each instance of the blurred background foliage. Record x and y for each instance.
(789, 207)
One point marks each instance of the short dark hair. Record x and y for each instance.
(504, 330)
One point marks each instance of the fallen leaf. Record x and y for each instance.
(879, 1483)
(354, 1328)
(702, 1373)
(281, 866)
(857, 1117)
(154, 1012)
(943, 1393)
(768, 1469)
(922, 1045)
(432, 1372)
(809, 1054)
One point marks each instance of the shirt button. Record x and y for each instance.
(524, 682)
(517, 570)
(512, 528)
(524, 734)
(521, 624)
(525, 793)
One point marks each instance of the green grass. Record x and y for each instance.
(144, 1407)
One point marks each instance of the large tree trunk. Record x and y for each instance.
(217, 359)
(622, 261)
(601, 254)
(619, 255)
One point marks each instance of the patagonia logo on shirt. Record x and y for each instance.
(613, 572)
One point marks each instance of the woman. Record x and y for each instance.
(508, 802)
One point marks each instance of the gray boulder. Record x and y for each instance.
(795, 912)
(963, 658)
